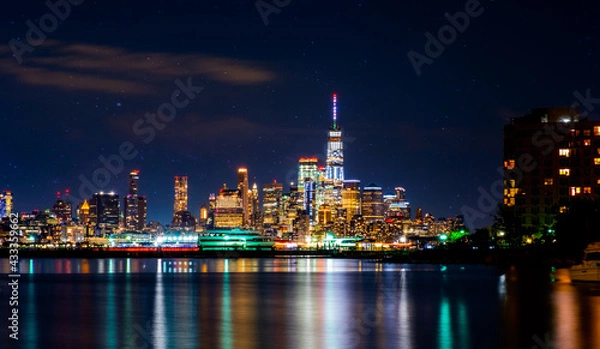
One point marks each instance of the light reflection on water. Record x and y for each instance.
(298, 303)
(191, 265)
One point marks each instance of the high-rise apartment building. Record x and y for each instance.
(134, 205)
(105, 211)
(271, 203)
(351, 199)
(372, 203)
(551, 156)
(181, 193)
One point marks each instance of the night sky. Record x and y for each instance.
(266, 98)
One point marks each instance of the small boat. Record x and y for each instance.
(589, 269)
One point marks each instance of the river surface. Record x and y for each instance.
(293, 303)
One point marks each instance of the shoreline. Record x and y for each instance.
(502, 258)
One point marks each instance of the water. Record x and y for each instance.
(295, 303)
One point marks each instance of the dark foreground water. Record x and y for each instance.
(294, 303)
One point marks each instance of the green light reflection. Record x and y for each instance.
(445, 325)
(226, 333)
(111, 335)
(32, 332)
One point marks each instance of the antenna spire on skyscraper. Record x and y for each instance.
(334, 110)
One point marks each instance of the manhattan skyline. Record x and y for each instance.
(265, 98)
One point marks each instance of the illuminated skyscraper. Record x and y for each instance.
(212, 208)
(253, 204)
(183, 220)
(309, 177)
(396, 206)
(62, 209)
(308, 200)
(132, 182)
(134, 206)
(372, 203)
(6, 203)
(243, 188)
(351, 198)
(83, 213)
(181, 193)
(271, 203)
(325, 215)
(229, 212)
(308, 168)
(105, 211)
(203, 217)
(334, 170)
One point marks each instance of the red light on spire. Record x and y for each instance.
(58, 195)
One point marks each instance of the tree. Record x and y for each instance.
(507, 221)
(578, 225)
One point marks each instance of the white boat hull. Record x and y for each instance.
(589, 269)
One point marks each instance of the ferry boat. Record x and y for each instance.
(589, 269)
(235, 239)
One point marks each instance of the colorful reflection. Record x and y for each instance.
(320, 303)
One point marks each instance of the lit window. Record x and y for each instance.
(587, 190)
(564, 172)
(596, 161)
(509, 164)
(548, 181)
(512, 183)
(562, 209)
(596, 130)
(587, 142)
(598, 181)
(574, 191)
(564, 152)
(587, 133)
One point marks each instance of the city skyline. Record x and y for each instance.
(329, 172)
(257, 95)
